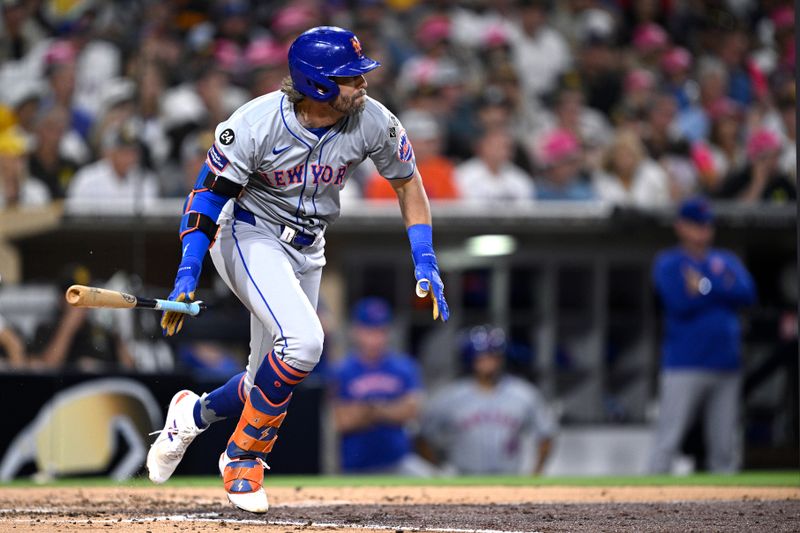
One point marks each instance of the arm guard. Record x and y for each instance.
(204, 203)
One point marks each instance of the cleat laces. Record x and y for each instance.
(176, 447)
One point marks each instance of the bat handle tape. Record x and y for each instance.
(192, 308)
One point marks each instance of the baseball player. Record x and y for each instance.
(283, 158)
(487, 422)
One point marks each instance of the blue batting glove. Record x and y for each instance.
(426, 270)
(429, 282)
(185, 285)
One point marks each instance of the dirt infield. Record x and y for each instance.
(457, 509)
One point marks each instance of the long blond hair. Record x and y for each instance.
(287, 88)
(628, 140)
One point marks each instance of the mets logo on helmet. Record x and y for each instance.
(404, 150)
(356, 46)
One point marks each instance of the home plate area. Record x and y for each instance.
(454, 509)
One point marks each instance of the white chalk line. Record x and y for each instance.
(215, 518)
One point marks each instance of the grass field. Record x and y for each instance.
(745, 479)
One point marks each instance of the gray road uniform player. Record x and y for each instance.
(488, 431)
(262, 202)
(292, 179)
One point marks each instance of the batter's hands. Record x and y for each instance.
(429, 282)
(185, 285)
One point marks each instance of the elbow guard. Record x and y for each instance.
(205, 202)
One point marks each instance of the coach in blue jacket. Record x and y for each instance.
(701, 289)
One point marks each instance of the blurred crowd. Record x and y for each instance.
(638, 103)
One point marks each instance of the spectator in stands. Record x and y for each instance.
(266, 60)
(727, 149)
(74, 340)
(490, 176)
(676, 65)
(649, 43)
(498, 107)
(701, 290)
(787, 107)
(629, 176)
(600, 70)
(12, 348)
(668, 147)
(201, 103)
(118, 181)
(762, 179)
(52, 164)
(540, 53)
(488, 422)
(570, 113)
(426, 138)
(193, 155)
(563, 177)
(17, 187)
(746, 82)
(20, 32)
(61, 71)
(377, 394)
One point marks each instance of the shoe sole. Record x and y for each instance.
(151, 458)
(252, 502)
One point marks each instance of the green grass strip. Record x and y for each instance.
(745, 479)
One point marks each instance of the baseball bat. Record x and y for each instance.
(82, 296)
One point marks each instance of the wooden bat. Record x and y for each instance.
(82, 296)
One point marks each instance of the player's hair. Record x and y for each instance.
(287, 87)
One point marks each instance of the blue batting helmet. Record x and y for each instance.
(324, 52)
(483, 339)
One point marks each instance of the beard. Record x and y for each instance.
(348, 105)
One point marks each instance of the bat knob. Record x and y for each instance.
(73, 294)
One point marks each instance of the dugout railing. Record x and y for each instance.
(574, 291)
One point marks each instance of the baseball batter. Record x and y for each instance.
(283, 158)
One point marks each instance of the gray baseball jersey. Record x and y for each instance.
(293, 177)
(487, 432)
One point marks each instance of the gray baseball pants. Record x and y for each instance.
(686, 394)
(279, 285)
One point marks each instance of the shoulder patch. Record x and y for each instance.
(404, 150)
(227, 137)
(216, 159)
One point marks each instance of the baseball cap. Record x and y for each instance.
(677, 59)
(697, 210)
(761, 142)
(649, 37)
(372, 312)
(558, 146)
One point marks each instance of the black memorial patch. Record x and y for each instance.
(227, 137)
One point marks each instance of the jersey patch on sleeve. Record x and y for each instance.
(227, 137)
(404, 150)
(216, 159)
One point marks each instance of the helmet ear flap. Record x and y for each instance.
(313, 84)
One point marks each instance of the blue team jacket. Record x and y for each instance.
(702, 330)
(394, 376)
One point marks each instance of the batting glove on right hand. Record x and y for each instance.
(429, 282)
(185, 285)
